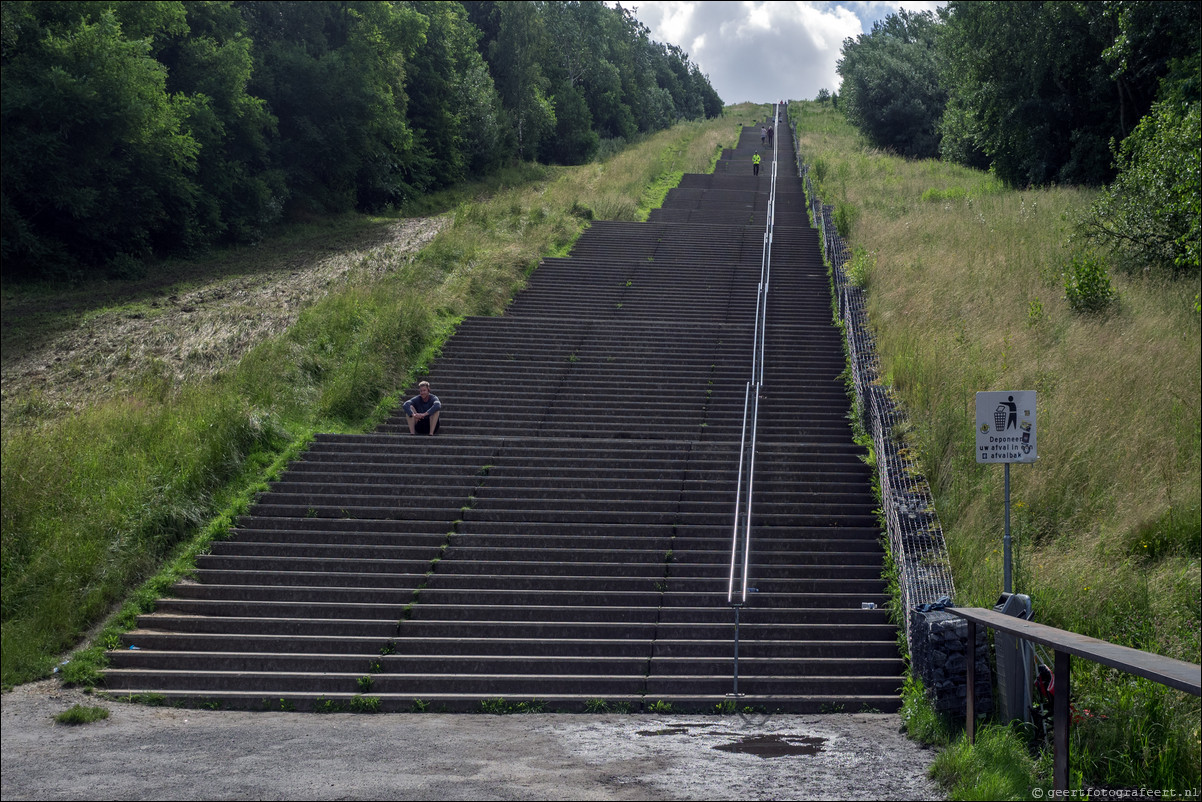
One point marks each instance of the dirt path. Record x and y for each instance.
(160, 753)
(198, 332)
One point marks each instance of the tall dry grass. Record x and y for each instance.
(966, 293)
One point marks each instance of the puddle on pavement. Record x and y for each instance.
(668, 731)
(766, 746)
(672, 729)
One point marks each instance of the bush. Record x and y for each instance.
(941, 195)
(1151, 211)
(845, 216)
(1087, 285)
(859, 269)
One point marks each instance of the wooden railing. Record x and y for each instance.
(1165, 670)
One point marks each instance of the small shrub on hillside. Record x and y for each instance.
(1087, 285)
(1034, 312)
(940, 195)
(819, 170)
(845, 217)
(859, 269)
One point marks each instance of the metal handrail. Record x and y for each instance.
(746, 479)
(730, 587)
(751, 411)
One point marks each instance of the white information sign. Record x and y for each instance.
(1006, 426)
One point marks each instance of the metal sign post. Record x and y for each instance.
(1006, 433)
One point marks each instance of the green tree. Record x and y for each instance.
(891, 84)
(628, 83)
(241, 192)
(515, 56)
(1151, 37)
(97, 163)
(1153, 208)
(711, 102)
(644, 106)
(575, 140)
(333, 74)
(432, 81)
(1029, 88)
(1037, 90)
(583, 36)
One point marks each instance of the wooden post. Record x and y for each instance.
(970, 704)
(1061, 715)
(1167, 671)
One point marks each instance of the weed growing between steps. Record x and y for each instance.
(95, 502)
(407, 613)
(364, 704)
(324, 705)
(501, 707)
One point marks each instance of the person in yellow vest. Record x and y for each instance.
(755, 163)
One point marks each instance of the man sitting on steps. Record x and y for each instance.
(422, 411)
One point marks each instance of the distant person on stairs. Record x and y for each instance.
(422, 411)
(755, 163)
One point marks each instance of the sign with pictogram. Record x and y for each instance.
(1006, 426)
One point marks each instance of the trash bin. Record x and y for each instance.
(1015, 660)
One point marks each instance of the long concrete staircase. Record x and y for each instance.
(565, 542)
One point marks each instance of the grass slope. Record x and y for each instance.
(148, 465)
(966, 293)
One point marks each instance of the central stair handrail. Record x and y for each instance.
(740, 542)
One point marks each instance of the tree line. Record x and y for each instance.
(1083, 93)
(135, 128)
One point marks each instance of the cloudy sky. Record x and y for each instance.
(764, 51)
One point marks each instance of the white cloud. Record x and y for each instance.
(765, 51)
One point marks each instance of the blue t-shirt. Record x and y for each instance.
(416, 404)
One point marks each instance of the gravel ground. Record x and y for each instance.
(161, 753)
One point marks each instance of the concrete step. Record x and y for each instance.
(567, 536)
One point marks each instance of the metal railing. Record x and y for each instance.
(911, 522)
(740, 541)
